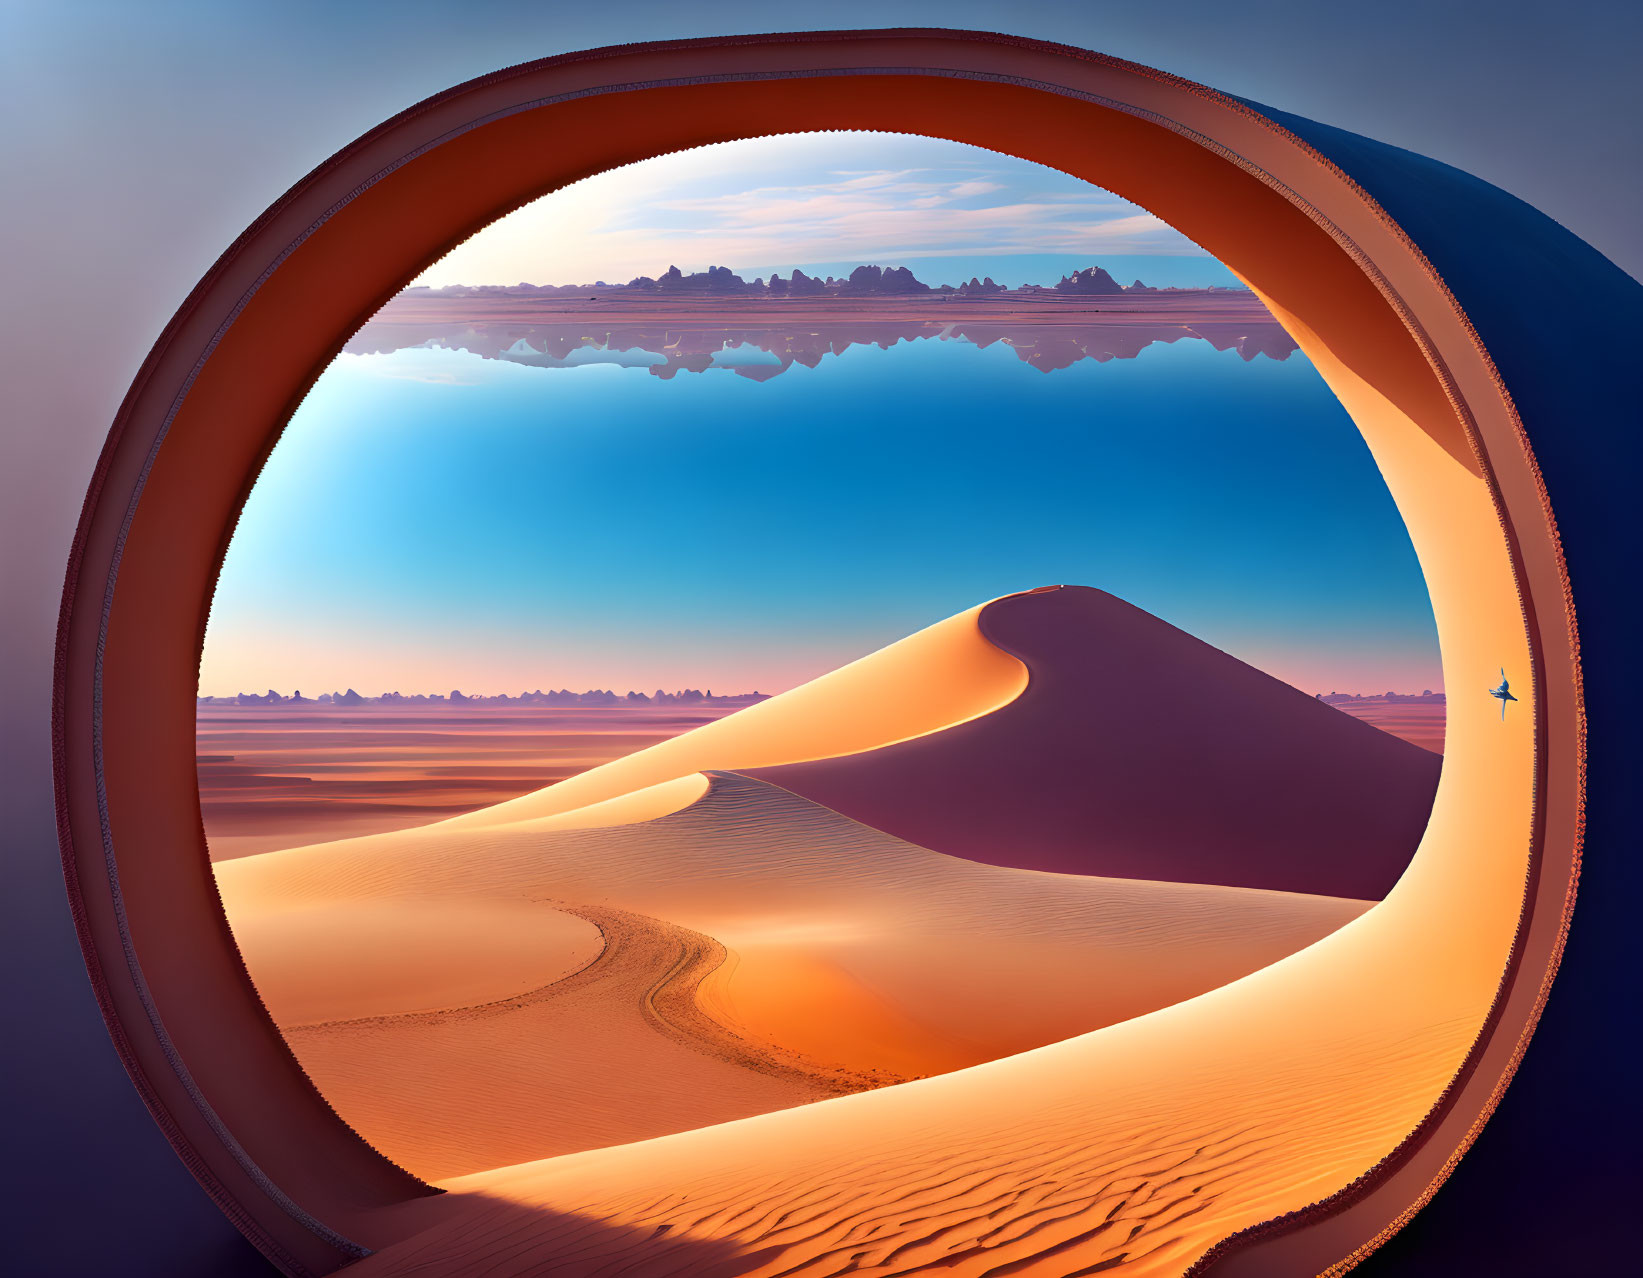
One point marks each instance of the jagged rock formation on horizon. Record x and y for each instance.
(721, 281)
(896, 280)
(716, 279)
(561, 697)
(1424, 697)
(797, 285)
(607, 697)
(1092, 279)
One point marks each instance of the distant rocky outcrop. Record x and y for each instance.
(1424, 697)
(561, 697)
(720, 281)
(716, 279)
(802, 285)
(1092, 279)
(897, 281)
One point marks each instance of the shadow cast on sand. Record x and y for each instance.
(521, 1239)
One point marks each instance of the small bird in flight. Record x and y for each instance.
(1503, 693)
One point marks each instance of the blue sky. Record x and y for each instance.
(827, 202)
(435, 520)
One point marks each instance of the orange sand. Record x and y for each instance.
(1132, 1147)
(322, 960)
(854, 957)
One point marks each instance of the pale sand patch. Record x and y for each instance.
(627, 809)
(319, 961)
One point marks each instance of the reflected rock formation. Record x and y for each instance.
(762, 339)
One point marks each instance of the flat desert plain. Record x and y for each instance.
(1420, 722)
(280, 776)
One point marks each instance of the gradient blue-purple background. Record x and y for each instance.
(140, 139)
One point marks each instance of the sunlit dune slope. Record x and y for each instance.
(802, 956)
(760, 920)
(318, 960)
(1129, 1150)
(944, 674)
(1061, 1164)
(1140, 751)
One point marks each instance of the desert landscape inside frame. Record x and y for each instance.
(832, 652)
(847, 763)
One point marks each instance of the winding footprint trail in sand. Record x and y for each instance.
(639, 997)
(670, 965)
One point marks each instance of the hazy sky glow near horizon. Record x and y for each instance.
(434, 520)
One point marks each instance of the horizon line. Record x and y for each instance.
(608, 696)
(351, 696)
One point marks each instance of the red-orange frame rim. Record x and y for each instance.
(249, 341)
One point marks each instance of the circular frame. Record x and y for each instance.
(210, 401)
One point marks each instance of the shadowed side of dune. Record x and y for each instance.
(1139, 751)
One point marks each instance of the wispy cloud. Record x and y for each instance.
(797, 200)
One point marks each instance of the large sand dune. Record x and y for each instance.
(1140, 751)
(681, 1070)
(1064, 729)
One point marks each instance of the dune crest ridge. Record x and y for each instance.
(1140, 751)
(942, 675)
